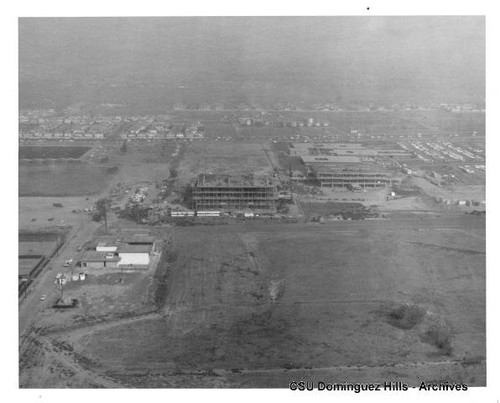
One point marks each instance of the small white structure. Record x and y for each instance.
(104, 247)
(182, 213)
(208, 213)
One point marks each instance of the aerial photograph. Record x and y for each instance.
(294, 202)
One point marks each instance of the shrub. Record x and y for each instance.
(406, 316)
(440, 335)
(97, 216)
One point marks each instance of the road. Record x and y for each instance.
(44, 284)
(30, 307)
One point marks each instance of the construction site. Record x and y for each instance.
(350, 174)
(233, 202)
(230, 192)
(347, 165)
(275, 239)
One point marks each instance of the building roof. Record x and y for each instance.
(333, 149)
(93, 256)
(355, 152)
(327, 145)
(139, 239)
(134, 248)
(328, 159)
(358, 168)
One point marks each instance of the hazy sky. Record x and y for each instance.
(377, 54)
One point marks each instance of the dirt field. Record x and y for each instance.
(62, 179)
(35, 212)
(32, 152)
(256, 305)
(223, 157)
(100, 297)
(453, 193)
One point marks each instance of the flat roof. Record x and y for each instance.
(330, 159)
(354, 152)
(134, 248)
(139, 238)
(353, 149)
(327, 145)
(359, 175)
(93, 256)
(366, 167)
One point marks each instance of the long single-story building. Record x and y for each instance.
(139, 240)
(99, 260)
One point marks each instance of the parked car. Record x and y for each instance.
(43, 297)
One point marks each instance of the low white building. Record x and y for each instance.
(134, 255)
(105, 247)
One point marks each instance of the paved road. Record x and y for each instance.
(30, 307)
(44, 284)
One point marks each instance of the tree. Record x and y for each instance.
(102, 206)
(97, 216)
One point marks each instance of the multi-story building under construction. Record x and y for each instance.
(229, 192)
(352, 178)
(347, 172)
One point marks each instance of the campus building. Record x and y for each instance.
(229, 192)
(130, 252)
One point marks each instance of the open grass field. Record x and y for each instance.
(257, 305)
(37, 248)
(62, 179)
(38, 236)
(33, 152)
